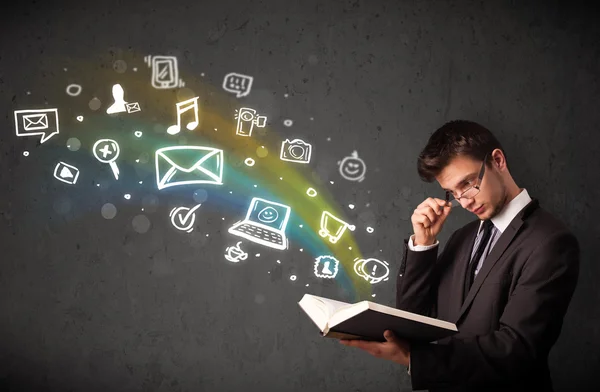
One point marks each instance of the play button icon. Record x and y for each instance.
(66, 173)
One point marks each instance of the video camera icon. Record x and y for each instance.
(247, 119)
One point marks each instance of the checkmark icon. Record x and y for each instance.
(183, 218)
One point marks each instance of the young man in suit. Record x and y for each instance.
(505, 279)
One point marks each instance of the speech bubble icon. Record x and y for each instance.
(35, 122)
(372, 270)
(238, 84)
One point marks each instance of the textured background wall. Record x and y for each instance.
(95, 304)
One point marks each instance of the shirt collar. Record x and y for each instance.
(508, 213)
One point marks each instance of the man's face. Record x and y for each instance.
(461, 173)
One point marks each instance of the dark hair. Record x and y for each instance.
(455, 138)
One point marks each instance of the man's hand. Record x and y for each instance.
(394, 349)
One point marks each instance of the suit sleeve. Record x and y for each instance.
(417, 282)
(529, 326)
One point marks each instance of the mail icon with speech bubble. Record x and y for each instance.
(37, 122)
(132, 107)
(184, 165)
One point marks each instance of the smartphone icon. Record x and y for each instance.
(164, 72)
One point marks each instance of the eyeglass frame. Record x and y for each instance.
(477, 186)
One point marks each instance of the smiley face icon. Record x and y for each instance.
(353, 168)
(268, 215)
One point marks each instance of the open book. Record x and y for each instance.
(367, 320)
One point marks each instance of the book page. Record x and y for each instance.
(345, 312)
(411, 316)
(319, 309)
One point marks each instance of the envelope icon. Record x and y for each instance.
(36, 121)
(183, 165)
(132, 107)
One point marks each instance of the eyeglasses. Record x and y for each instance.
(472, 191)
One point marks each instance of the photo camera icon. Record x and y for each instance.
(296, 150)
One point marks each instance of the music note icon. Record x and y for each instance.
(183, 107)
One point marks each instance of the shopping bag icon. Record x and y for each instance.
(183, 165)
(332, 227)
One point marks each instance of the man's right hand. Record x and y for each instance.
(428, 219)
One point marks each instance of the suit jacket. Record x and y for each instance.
(510, 318)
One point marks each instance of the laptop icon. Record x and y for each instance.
(264, 224)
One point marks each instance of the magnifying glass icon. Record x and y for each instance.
(107, 151)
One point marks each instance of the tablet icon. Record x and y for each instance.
(66, 173)
(165, 73)
(37, 122)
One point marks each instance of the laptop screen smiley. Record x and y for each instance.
(269, 214)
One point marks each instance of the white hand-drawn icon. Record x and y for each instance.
(183, 107)
(133, 107)
(238, 84)
(235, 253)
(183, 165)
(264, 224)
(353, 168)
(326, 267)
(246, 120)
(119, 97)
(120, 105)
(107, 151)
(74, 90)
(295, 151)
(333, 227)
(372, 270)
(31, 122)
(165, 73)
(311, 192)
(66, 173)
(183, 218)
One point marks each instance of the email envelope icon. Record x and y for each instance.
(133, 107)
(183, 165)
(36, 121)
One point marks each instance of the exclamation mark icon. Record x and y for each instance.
(374, 268)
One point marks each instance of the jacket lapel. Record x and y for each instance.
(494, 255)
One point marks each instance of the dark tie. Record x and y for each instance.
(485, 236)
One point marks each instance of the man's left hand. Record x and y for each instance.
(393, 349)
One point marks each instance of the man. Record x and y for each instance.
(505, 279)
